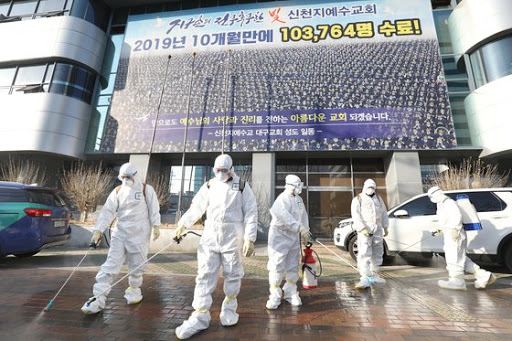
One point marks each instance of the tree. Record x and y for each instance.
(470, 174)
(160, 182)
(85, 184)
(23, 171)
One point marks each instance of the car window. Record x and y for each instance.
(483, 201)
(44, 198)
(420, 207)
(12, 195)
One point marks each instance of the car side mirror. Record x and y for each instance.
(401, 214)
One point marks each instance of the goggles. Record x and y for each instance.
(220, 170)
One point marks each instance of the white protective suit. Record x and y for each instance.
(455, 245)
(231, 218)
(136, 214)
(288, 215)
(369, 213)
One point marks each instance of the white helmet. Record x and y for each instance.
(369, 183)
(127, 170)
(435, 194)
(223, 161)
(293, 184)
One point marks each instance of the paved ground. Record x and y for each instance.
(409, 307)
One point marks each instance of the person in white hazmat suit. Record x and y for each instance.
(231, 222)
(370, 217)
(455, 245)
(289, 221)
(136, 206)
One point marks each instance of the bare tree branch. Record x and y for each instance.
(160, 182)
(85, 184)
(23, 171)
(470, 174)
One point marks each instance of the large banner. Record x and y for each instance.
(279, 76)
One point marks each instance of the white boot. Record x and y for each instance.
(294, 299)
(364, 282)
(228, 314)
(274, 299)
(291, 295)
(377, 279)
(453, 284)
(483, 279)
(133, 295)
(199, 320)
(95, 306)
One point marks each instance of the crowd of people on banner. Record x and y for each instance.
(400, 77)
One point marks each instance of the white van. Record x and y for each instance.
(411, 225)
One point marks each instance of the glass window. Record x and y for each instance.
(443, 34)
(12, 195)
(120, 16)
(368, 165)
(46, 6)
(30, 75)
(43, 198)
(483, 201)
(23, 7)
(189, 4)
(62, 73)
(326, 209)
(330, 180)
(7, 76)
(329, 165)
(4, 8)
(97, 14)
(492, 61)
(210, 3)
(420, 207)
(291, 165)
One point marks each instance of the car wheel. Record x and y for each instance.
(352, 247)
(508, 257)
(26, 254)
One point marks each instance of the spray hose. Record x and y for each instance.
(175, 240)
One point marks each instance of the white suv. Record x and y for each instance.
(412, 222)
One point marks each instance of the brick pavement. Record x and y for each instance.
(409, 307)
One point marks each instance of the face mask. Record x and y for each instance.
(222, 176)
(127, 182)
(298, 189)
(370, 191)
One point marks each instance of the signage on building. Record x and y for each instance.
(281, 76)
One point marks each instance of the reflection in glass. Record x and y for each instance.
(492, 61)
(23, 7)
(30, 75)
(50, 5)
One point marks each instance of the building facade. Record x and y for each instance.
(93, 80)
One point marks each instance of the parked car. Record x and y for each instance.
(412, 222)
(31, 218)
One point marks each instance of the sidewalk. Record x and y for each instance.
(409, 307)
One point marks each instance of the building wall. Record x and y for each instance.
(48, 122)
(64, 37)
(481, 35)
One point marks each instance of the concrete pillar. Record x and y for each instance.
(403, 177)
(263, 185)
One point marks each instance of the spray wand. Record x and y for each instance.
(175, 240)
(91, 247)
